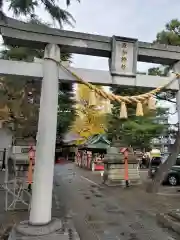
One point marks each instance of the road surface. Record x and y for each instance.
(106, 213)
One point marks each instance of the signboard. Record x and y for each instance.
(123, 62)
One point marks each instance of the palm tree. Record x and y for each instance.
(28, 7)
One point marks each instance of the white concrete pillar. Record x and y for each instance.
(40, 213)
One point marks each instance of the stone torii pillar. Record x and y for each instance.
(40, 212)
(40, 224)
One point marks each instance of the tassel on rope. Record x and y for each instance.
(139, 109)
(123, 111)
(92, 98)
(113, 97)
(151, 103)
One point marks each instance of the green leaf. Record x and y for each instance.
(135, 131)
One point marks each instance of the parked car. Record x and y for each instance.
(172, 177)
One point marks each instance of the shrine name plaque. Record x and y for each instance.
(123, 61)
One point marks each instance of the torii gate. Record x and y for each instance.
(54, 41)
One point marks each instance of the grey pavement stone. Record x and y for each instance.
(11, 218)
(115, 213)
(56, 230)
(169, 222)
(126, 214)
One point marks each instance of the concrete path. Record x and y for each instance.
(104, 213)
(9, 218)
(99, 212)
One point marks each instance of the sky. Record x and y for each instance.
(139, 19)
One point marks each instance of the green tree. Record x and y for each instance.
(156, 71)
(166, 95)
(21, 97)
(66, 111)
(28, 8)
(19, 105)
(169, 36)
(24, 108)
(135, 131)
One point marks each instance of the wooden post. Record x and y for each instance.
(30, 168)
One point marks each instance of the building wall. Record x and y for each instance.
(163, 143)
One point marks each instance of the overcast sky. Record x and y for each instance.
(139, 19)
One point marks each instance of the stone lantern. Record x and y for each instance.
(114, 167)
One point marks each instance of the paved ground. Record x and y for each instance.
(111, 213)
(9, 218)
(100, 212)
